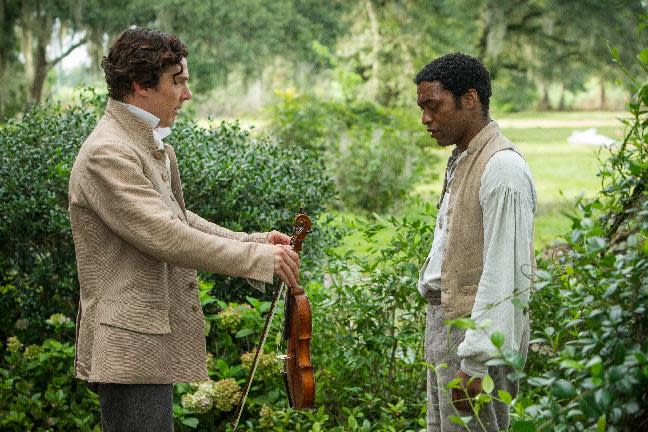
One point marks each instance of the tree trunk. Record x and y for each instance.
(543, 103)
(373, 84)
(40, 73)
(603, 100)
(41, 65)
(493, 32)
(4, 19)
(26, 40)
(561, 104)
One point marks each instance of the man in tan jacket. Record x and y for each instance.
(482, 256)
(140, 322)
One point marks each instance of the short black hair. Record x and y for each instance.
(459, 73)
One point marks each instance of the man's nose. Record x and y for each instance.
(425, 118)
(187, 95)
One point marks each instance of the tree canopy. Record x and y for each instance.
(380, 42)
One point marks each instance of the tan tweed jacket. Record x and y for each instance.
(137, 246)
(464, 248)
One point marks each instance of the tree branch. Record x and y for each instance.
(68, 51)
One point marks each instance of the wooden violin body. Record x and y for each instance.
(298, 369)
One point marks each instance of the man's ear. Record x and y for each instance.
(471, 99)
(139, 89)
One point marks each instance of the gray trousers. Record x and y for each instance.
(441, 343)
(136, 407)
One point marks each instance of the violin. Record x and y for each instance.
(297, 369)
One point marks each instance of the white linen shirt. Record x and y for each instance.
(508, 199)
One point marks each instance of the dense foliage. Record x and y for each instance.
(372, 152)
(366, 344)
(590, 367)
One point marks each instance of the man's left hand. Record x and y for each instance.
(277, 238)
(468, 385)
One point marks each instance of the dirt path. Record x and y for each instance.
(582, 121)
(556, 123)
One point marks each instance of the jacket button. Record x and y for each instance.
(157, 155)
(195, 308)
(165, 177)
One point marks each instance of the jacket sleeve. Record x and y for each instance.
(207, 227)
(123, 197)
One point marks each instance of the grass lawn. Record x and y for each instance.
(563, 172)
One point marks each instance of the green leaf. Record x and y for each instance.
(643, 56)
(505, 396)
(353, 423)
(191, 422)
(487, 384)
(463, 323)
(498, 339)
(600, 424)
(571, 364)
(563, 389)
(243, 332)
(461, 421)
(523, 426)
(455, 383)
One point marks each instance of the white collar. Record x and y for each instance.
(150, 119)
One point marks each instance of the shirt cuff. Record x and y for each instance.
(257, 285)
(474, 368)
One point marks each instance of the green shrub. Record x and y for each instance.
(38, 390)
(513, 91)
(228, 177)
(592, 370)
(368, 322)
(372, 152)
(37, 262)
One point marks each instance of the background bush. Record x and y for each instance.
(372, 152)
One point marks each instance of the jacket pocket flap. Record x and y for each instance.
(136, 318)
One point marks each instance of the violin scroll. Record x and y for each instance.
(301, 229)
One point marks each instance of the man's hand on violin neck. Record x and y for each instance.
(276, 238)
(286, 264)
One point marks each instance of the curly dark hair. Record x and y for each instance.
(140, 55)
(459, 73)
